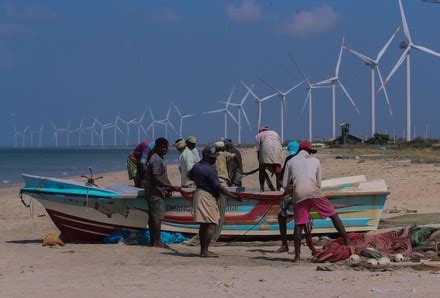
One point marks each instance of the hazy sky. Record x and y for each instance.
(62, 60)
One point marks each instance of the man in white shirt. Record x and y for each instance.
(304, 171)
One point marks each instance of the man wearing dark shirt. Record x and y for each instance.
(205, 206)
(158, 187)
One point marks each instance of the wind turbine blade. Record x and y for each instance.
(151, 113)
(270, 86)
(215, 111)
(328, 81)
(189, 115)
(382, 51)
(384, 91)
(246, 118)
(426, 50)
(349, 97)
(360, 55)
(268, 97)
(177, 110)
(149, 126)
(232, 116)
(169, 111)
(143, 128)
(396, 66)
(53, 125)
(338, 64)
(404, 22)
(250, 90)
(305, 102)
(294, 87)
(172, 126)
(230, 96)
(299, 69)
(142, 117)
(120, 130)
(245, 97)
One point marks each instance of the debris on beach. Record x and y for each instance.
(52, 240)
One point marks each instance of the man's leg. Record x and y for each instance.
(340, 228)
(222, 208)
(205, 240)
(261, 177)
(150, 229)
(156, 232)
(282, 222)
(309, 241)
(297, 241)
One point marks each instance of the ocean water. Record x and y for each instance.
(61, 163)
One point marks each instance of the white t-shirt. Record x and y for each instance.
(304, 170)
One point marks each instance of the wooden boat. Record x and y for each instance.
(87, 213)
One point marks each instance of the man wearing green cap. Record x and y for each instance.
(191, 143)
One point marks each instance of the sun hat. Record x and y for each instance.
(219, 144)
(180, 144)
(306, 145)
(292, 148)
(263, 128)
(209, 151)
(191, 139)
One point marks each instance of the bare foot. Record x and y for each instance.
(296, 259)
(282, 249)
(161, 245)
(209, 255)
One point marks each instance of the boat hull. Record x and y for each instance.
(89, 214)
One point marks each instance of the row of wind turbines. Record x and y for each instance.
(96, 130)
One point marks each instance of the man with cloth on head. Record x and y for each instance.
(304, 172)
(137, 162)
(270, 155)
(158, 187)
(191, 142)
(286, 204)
(205, 207)
(235, 166)
(186, 161)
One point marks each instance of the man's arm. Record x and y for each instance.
(319, 174)
(165, 183)
(226, 192)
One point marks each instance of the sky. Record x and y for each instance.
(67, 60)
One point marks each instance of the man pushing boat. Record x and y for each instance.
(303, 171)
(205, 199)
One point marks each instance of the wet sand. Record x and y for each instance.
(28, 269)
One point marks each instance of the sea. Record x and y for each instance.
(59, 163)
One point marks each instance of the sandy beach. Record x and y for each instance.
(28, 269)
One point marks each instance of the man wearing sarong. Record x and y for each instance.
(223, 160)
(286, 204)
(186, 161)
(137, 162)
(157, 188)
(205, 207)
(270, 155)
(304, 172)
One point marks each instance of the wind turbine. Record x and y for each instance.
(16, 135)
(309, 86)
(40, 134)
(24, 136)
(226, 112)
(334, 80)
(152, 124)
(68, 131)
(374, 66)
(80, 131)
(55, 134)
(138, 123)
(181, 117)
(282, 96)
(259, 101)
(93, 130)
(241, 110)
(408, 45)
(167, 122)
(127, 128)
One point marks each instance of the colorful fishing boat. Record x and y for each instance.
(89, 213)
